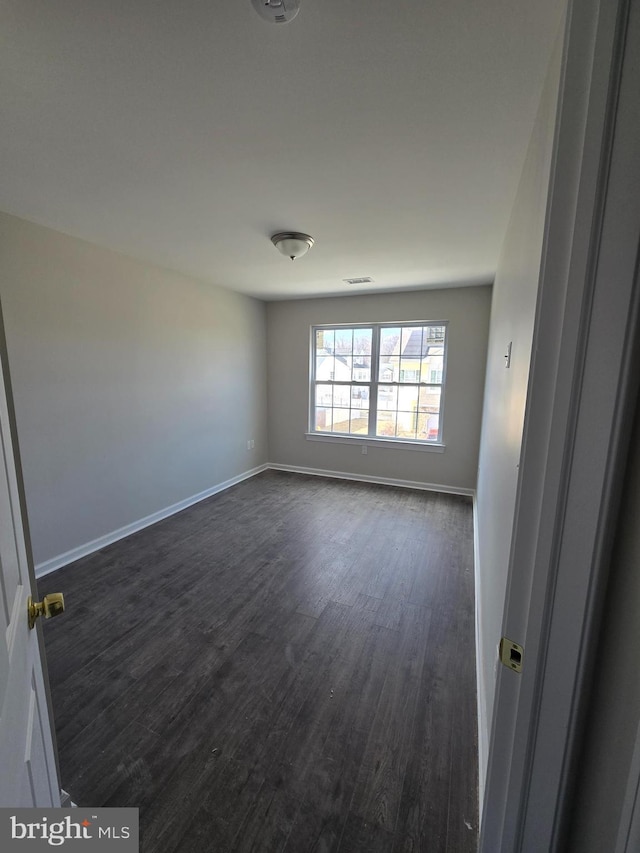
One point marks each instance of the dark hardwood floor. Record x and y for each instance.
(288, 666)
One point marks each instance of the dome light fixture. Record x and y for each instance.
(293, 244)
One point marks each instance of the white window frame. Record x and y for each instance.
(371, 438)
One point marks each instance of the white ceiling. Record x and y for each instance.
(186, 132)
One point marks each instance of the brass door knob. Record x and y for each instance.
(51, 605)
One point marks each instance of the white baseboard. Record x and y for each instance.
(61, 560)
(483, 723)
(365, 478)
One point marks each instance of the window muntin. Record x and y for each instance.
(379, 380)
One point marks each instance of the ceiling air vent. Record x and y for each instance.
(277, 11)
(364, 280)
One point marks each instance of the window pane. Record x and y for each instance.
(362, 341)
(411, 341)
(386, 424)
(343, 368)
(408, 398)
(325, 368)
(406, 424)
(422, 425)
(344, 341)
(362, 368)
(409, 370)
(360, 421)
(407, 417)
(389, 368)
(323, 420)
(432, 367)
(341, 420)
(324, 340)
(434, 334)
(359, 396)
(411, 348)
(324, 395)
(435, 356)
(389, 341)
(430, 400)
(429, 427)
(337, 369)
(341, 395)
(387, 398)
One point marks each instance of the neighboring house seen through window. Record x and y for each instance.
(379, 380)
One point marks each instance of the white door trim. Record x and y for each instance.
(581, 391)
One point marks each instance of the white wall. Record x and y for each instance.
(135, 387)
(512, 318)
(288, 325)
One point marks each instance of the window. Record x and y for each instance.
(379, 380)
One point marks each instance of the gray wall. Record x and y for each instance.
(135, 387)
(288, 325)
(512, 318)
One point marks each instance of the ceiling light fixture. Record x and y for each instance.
(277, 11)
(293, 244)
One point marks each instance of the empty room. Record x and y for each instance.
(319, 325)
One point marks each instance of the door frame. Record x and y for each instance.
(581, 397)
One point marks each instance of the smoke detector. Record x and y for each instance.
(277, 11)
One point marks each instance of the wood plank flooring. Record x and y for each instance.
(286, 666)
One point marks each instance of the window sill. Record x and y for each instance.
(389, 443)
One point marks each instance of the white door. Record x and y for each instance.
(28, 769)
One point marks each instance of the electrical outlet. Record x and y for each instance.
(364, 449)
